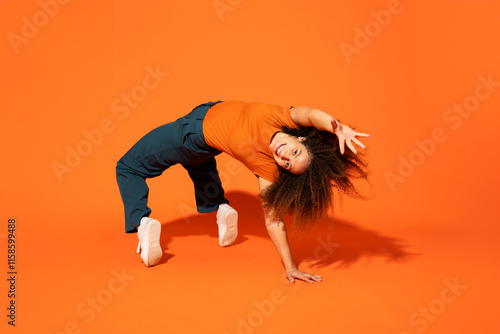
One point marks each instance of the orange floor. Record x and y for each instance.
(81, 81)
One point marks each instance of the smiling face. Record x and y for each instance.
(290, 153)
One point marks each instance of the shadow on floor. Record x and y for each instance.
(342, 244)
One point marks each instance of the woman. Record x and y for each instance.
(294, 152)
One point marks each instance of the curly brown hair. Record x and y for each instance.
(309, 196)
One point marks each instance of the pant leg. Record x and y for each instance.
(208, 189)
(180, 142)
(134, 192)
(149, 157)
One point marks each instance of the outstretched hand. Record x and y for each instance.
(293, 274)
(347, 136)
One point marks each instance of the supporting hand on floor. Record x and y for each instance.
(294, 273)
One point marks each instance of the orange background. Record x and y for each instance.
(388, 261)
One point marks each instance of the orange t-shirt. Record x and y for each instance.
(244, 130)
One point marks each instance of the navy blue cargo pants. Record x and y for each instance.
(180, 142)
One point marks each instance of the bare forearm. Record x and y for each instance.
(305, 116)
(277, 232)
(322, 121)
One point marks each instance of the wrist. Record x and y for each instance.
(336, 125)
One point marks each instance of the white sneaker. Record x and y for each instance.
(227, 219)
(149, 241)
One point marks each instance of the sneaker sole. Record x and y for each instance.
(231, 229)
(152, 253)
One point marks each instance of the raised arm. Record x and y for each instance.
(305, 117)
(277, 232)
